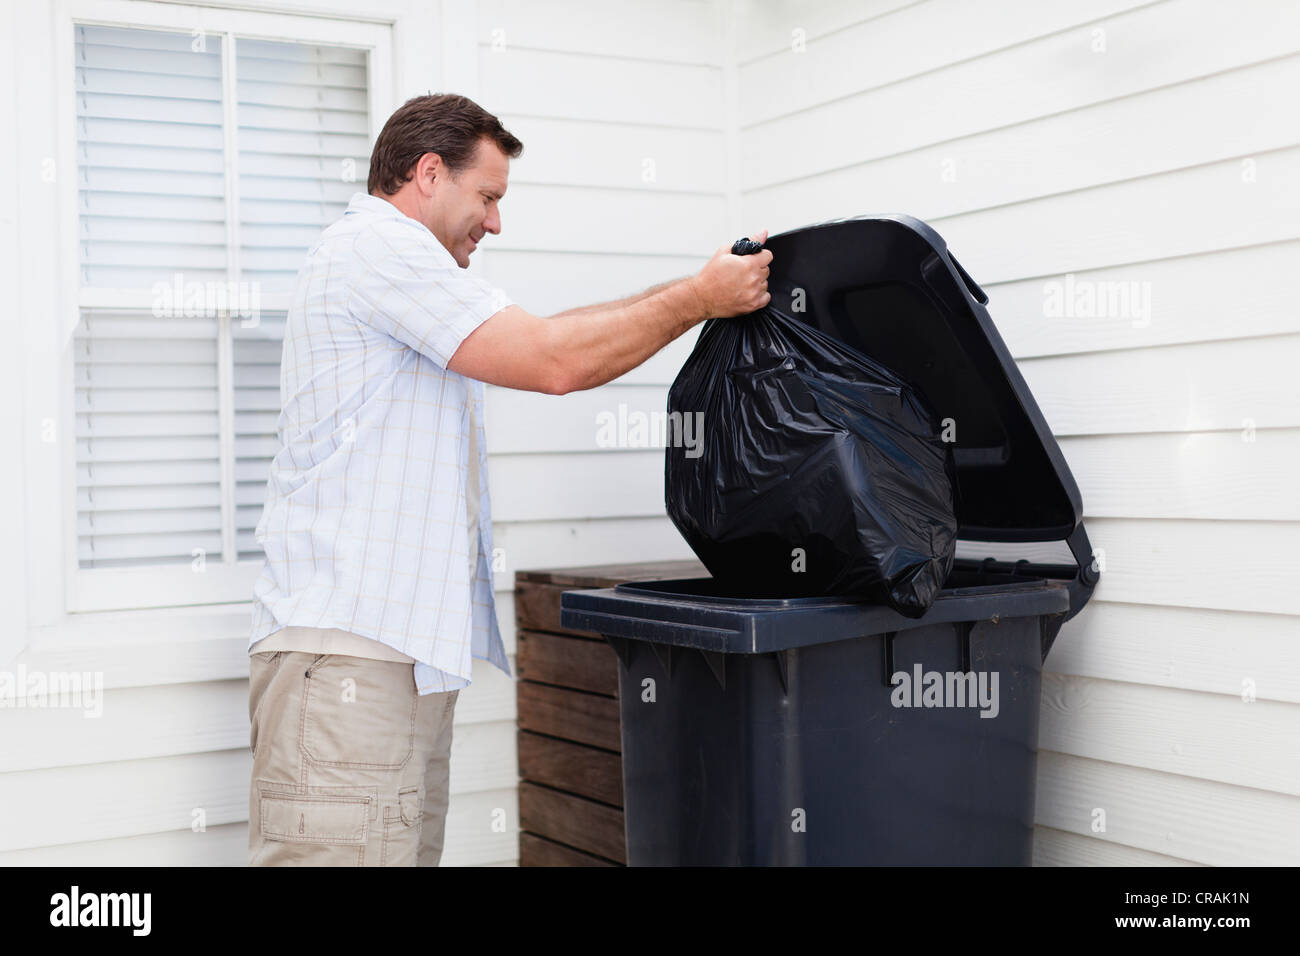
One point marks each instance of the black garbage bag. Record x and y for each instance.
(819, 471)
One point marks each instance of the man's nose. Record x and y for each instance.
(492, 223)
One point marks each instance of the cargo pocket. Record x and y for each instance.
(402, 827)
(358, 714)
(315, 830)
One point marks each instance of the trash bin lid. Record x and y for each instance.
(888, 286)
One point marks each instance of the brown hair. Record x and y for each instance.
(442, 123)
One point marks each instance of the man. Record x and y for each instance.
(377, 591)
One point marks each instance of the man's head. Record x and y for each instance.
(444, 160)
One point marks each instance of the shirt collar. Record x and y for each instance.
(373, 205)
(364, 204)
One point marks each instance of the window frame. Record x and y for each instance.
(224, 579)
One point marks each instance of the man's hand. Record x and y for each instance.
(734, 285)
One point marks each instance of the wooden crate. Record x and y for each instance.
(570, 765)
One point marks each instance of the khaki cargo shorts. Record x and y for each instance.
(350, 764)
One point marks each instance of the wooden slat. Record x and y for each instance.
(583, 824)
(608, 575)
(573, 662)
(571, 715)
(573, 768)
(539, 851)
(537, 607)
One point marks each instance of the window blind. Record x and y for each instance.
(177, 403)
(151, 183)
(303, 134)
(148, 457)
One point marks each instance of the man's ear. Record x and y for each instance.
(427, 168)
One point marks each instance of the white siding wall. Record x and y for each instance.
(1114, 140)
(1033, 154)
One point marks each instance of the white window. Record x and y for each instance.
(211, 148)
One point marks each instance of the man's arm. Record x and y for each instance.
(582, 348)
(619, 303)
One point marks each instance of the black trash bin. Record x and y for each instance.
(820, 730)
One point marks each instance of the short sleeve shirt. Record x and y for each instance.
(368, 523)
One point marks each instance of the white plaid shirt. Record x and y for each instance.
(365, 526)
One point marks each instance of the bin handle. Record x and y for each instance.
(978, 294)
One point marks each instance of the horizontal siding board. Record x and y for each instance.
(1188, 648)
(1201, 821)
(671, 30)
(134, 723)
(1181, 213)
(130, 797)
(1192, 734)
(526, 422)
(223, 845)
(1165, 475)
(475, 834)
(1204, 386)
(615, 483)
(160, 794)
(560, 152)
(590, 220)
(143, 723)
(1205, 475)
(547, 281)
(1058, 848)
(1149, 47)
(600, 89)
(1225, 565)
(1212, 296)
(1198, 387)
(1247, 108)
(127, 658)
(763, 27)
(907, 42)
(558, 544)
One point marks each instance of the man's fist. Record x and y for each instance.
(735, 285)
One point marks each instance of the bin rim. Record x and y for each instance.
(637, 611)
